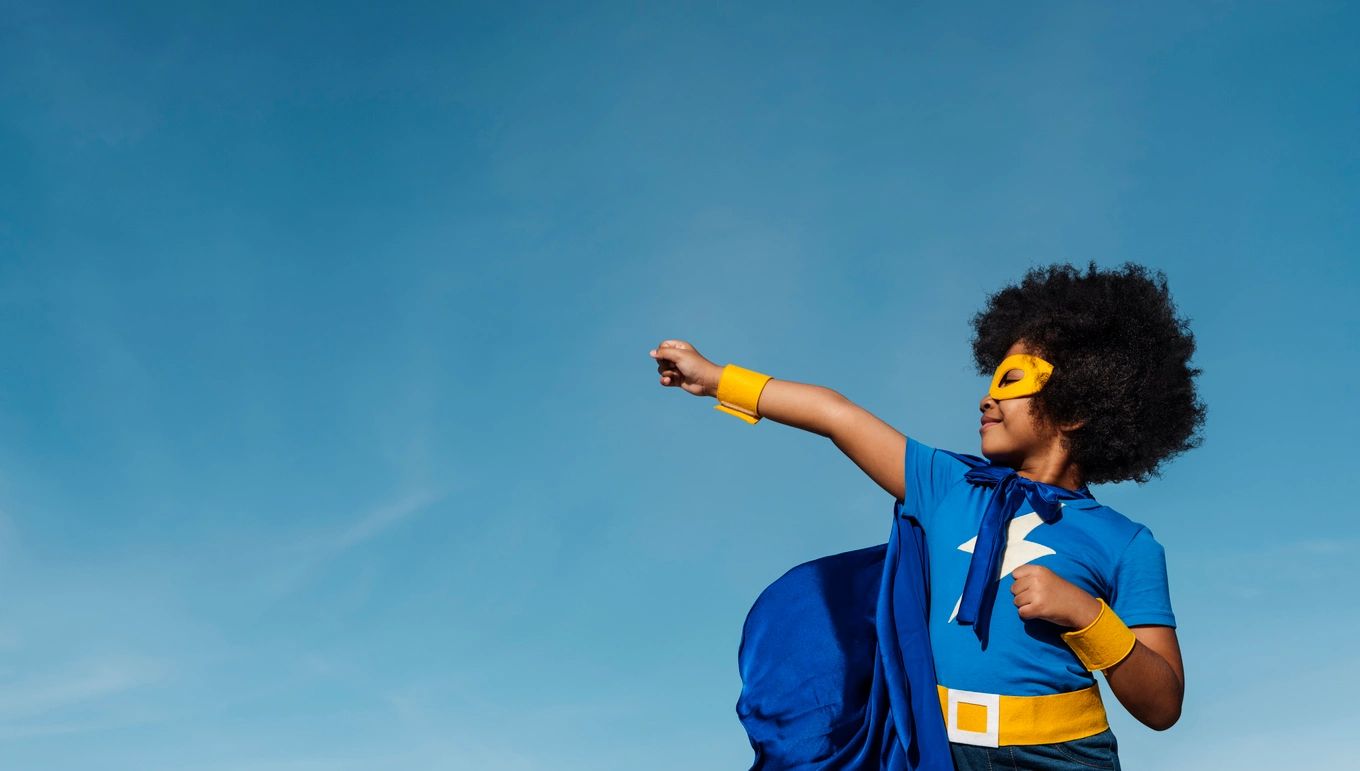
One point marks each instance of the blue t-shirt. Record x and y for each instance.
(1091, 545)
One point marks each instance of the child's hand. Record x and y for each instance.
(1040, 593)
(681, 365)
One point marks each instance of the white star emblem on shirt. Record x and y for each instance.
(1018, 550)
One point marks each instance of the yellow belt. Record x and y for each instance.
(994, 720)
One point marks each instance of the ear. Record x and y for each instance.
(1067, 428)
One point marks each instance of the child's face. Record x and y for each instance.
(1010, 434)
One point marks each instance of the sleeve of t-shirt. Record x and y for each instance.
(1141, 594)
(928, 474)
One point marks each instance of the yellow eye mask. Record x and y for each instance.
(1035, 370)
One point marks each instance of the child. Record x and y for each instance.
(1030, 584)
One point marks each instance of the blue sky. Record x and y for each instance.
(329, 438)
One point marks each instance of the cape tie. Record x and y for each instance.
(1011, 490)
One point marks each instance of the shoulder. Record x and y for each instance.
(929, 475)
(1139, 588)
(1115, 546)
(1114, 527)
(940, 460)
(1129, 546)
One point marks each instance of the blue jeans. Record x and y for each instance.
(1097, 751)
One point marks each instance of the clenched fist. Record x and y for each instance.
(681, 365)
(1040, 593)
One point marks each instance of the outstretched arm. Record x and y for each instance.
(876, 447)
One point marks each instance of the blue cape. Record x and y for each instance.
(836, 667)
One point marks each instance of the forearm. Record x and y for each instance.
(1148, 687)
(801, 405)
(876, 447)
(1149, 680)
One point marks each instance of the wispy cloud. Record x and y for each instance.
(57, 727)
(432, 754)
(379, 520)
(76, 687)
(314, 551)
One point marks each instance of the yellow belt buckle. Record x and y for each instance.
(974, 718)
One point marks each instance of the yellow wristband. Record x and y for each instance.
(739, 392)
(1103, 642)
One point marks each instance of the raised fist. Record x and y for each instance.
(681, 365)
(1041, 593)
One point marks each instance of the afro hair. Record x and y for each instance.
(1121, 364)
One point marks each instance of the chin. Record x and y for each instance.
(994, 454)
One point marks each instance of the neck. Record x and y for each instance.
(1054, 470)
